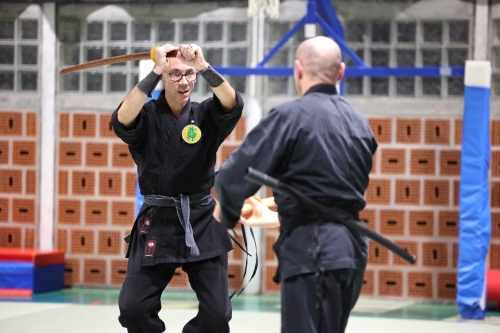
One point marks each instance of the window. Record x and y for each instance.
(274, 31)
(223, 43)
(495, 57)
(19, 63)
(410, 44)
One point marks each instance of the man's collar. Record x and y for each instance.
(322, 88)
(162, 102)
(163, 105)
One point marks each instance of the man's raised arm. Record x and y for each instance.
(192, 56)
(134, 101)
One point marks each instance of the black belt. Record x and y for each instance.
(182, 204)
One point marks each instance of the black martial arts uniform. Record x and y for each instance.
(322, 147)
(175, 226)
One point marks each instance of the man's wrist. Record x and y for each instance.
(213, 78)
(203, 67)
(149, 83)
(158, 70)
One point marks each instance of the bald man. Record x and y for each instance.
(323, 147)
(174, 141)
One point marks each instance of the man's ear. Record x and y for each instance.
(341, 72)
(298, 68)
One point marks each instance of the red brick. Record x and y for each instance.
(407, 192)
(435, 254)
(31, 124)
(23, 210)
(84, 125)
(437, 131)
(378, 191)
(382, 129)
(447, 288)
(368, 284)
(393, 161)
(94, 271)
(11, 123)
(420, 285)
(423, 162)
(437, 192)
(82, 242)
(449, 163)
(408, 130)
(64, 125)
(70, 153)
(96, 154)
(421, 223)
(390, 283)
(4, 152)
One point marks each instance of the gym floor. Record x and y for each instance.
(95, 310)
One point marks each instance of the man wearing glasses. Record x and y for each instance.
(174, 141)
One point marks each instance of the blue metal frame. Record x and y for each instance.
(350, 71)
(322, 12)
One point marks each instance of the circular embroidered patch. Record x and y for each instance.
(191, 134)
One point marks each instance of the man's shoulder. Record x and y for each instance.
(289, 107)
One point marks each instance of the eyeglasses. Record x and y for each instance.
(176, 76)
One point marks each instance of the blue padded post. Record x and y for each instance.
(475, 218)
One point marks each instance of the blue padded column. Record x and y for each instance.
(475, 219)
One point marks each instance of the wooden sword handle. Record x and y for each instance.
(268, 202)
(117, 59)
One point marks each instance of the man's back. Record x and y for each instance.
(329, 147)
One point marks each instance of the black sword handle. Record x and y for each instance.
(261, 178)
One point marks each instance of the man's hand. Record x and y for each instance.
(261, 216)
(161, 60)
(192, 56)
(217, 211)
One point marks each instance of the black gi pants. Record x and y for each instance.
(299, 298)
(139, 299)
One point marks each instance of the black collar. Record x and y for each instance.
(164, 107)
(322, 88)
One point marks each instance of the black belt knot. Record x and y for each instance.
(182, 204)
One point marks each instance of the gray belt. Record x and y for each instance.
(182, 204)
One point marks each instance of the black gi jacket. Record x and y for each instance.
(189, 169)
(321, 146)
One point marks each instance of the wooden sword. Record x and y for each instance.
(113, 60)
(268, 202)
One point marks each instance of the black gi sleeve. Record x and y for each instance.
(225, 121)
(132, 136)
(262, 149)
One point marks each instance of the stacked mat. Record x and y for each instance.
(27, 271)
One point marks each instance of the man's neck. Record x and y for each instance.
(175, 108)
(310, 83)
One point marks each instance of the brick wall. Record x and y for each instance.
(95, 199)
(412, 199)
(18, 178)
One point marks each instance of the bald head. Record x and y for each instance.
(321, 58)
